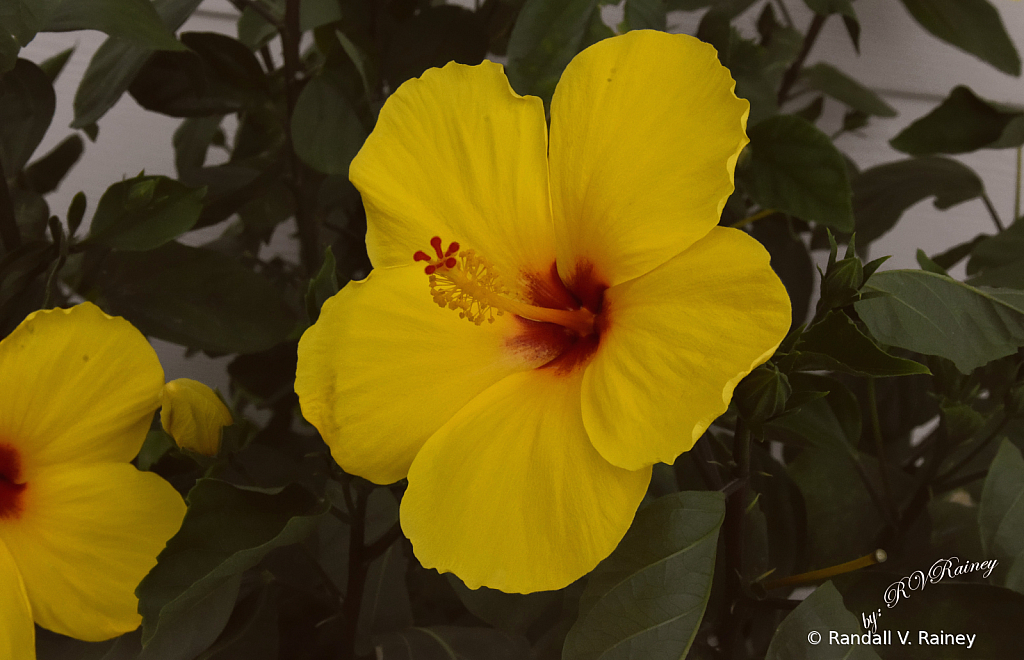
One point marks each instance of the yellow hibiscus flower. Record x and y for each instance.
(599, 319)
(79, 525)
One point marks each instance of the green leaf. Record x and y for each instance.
(195, 297)
(821, 612)
(385, 607)
(44, 175)
(791, 262)
(1001, 510)
(793, 167)
(512, 613)
(116, 63)
(219, 76)
(883, 193)
(52, 66)
(124, 222)
(326, 129)
(192, 140)
(251, 632)
(935, 315)
(452, 643)
(647, 599)
(999, 260)
(925, 262)
(546, 36)
(190, 623)
(20, 20)
(323, 286)
(27, 103)
(432, 38)
(960, 124)
(971, 25)
(829, 80)
(226, 531)
(948, 605)
(9, 49)
(644, 15)
(835, 343)
(134, 20)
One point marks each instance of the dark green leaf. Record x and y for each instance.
(323, 286)
(961, 123)
(546, 36)
(192, 140)
(9, 49)
(432, 38)
(191, 622)
(451, 643)
(647, 599)
(829, 80)
(226, 531)
(253, 30)
(21, 19)
(821, 612)
(793, 167)
(927, 264)
(116, 63)
(27, 103)
(791, 262)
(233, 185)
(196, 298)
(935, 315)
(1001, 510)
(326, 129)
(126, 221)
(52, 66)
(385, 607)
(219, 76)
(999, 260)
(252, 631)
(958, 253)
(948, 606)
(513, 613)
(44, 175)
(644, 15)
(837, 344)
(971, 25)
(76, 211)
(883, 193)
(134, 20)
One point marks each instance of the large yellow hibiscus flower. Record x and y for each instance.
(79, 525)
(598, 318)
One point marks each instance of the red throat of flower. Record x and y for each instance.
(564, 321)
(11, 487)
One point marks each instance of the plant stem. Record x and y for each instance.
(793, 72)
(356, 578)
(876, 557)
(992, 212)
(945, 476)
(750, 219)
(9, 233)
(309, 238)
(785, 13)
(876, 428)
(735, 512)
(1016, 191)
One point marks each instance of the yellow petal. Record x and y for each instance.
(645, 132)
(457, 154)
(17, 632)
(193, 415)
(384, 367)
(87, 536)
(678, 341)
(511, 495)
(76, 385)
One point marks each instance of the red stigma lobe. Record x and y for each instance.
(445, 259)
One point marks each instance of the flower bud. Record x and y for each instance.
(762, 394)
(193, 415)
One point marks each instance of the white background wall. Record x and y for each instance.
(912, 70)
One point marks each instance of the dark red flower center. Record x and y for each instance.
(11, 486)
